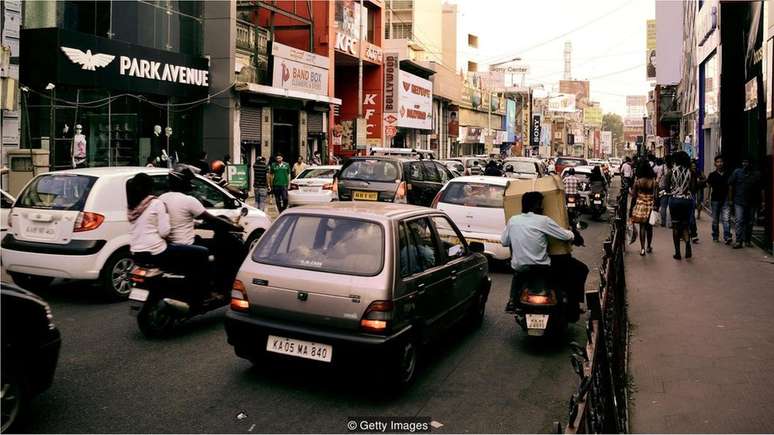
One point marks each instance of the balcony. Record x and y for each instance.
(401, 5)
(253, 42)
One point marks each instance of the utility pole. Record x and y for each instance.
(360, 66)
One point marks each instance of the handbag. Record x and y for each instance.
(654, 218)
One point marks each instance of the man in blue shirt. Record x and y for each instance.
(527, 236)
(745, 193)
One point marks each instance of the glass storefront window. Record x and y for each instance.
(711, 85)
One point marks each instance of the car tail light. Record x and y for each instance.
(547, 297)
(328, 186)
(88, 221)
(400, 194)
(335, 187)
(377, 317)
(436, 199)
(293, 186)
(597, 195)
(239, 297)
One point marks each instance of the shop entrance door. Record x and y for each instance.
(285, 134)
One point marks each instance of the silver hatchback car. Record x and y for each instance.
(356, 283)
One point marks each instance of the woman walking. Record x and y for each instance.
(643, 195)
(680, 183)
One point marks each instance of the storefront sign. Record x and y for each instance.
(349, 45)
(534, 137)
(287, 52)
(415, 102)
(472, 134)
(592, 116)
(296, 76)
(606, 140)
(391, 73)
(371, 105)
(751, 94)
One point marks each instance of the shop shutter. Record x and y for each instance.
(250, 123)
(314, 122)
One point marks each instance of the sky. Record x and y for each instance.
(607, 36)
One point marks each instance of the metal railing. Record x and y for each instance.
(600, 403)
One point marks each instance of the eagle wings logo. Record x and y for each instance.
(88, 61)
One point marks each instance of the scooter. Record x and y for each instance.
(598, 204)
(162, 299)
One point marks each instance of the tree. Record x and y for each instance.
(613, 122)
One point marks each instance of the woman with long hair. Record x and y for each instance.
(643, 196)
(680, 183)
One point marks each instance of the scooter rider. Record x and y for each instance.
(183, 209)
(526, 234)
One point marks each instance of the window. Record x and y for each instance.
(474, 195)
(370, 170)
(404, 252)
(521, 167)
(431, 172)
(443, 172)
(472, 41)
(318, 173)
(401, 31)
(207, 194)
(415, 171)
(424, 254)
(323, 243)
(472, 66)
(451, 240)
(57, 192)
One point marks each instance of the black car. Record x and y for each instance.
(392, 179)
(30, 351)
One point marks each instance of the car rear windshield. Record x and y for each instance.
(474, 195)
(371, 170)
(521, 167)
(570, 162)
(57, 192)
(318, 173)
(323, 243)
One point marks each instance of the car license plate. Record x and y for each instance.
(571, 204)
(40, 231)
(299, 348)
(597, 201)
(309, 189)
(366, 196)
(537, 321)
(138, 295)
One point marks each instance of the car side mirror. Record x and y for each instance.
(455, 251)
(235, 203)
(476, 247)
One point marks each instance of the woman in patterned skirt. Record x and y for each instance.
(644, 192)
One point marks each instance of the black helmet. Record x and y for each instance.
(180, 179)
(570, 171)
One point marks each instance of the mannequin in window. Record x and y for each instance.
(79, 147)
(157, 142)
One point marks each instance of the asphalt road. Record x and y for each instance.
(111, 379)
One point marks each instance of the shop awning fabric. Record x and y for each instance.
(279, 92)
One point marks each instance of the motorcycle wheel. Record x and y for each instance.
(154, 320)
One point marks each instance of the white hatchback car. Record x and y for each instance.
(72, 224)
(475, 204)
(314, 185)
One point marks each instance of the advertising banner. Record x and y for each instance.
(391, 73)
(650, 50)
(633, 122)
(579, 88)
(296, 76)
(287, 52)
(751, 94)
(534, 137)
(592, 116)
(510, 121)
(415, 102)
(453, 126)
(562, 103)
(606, 142)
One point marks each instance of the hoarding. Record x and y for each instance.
(391, 73)
(415, 102)
(579, 88)
(606, 142)
(297, 76)
(562, 103)
(510, 120)
(650, 50)
(592, 116)
(669, 16)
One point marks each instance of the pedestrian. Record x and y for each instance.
(492, 169)
(663, 194)
(298, 167)
(627, 172)
(718, 185)
(643, 195)
(260, 184)
(316, 159)
(679, 181)
(700, 185)
(745, 193)
(697, 190)
(150, 162)
(280, 180)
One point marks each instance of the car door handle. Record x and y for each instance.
(453, 275)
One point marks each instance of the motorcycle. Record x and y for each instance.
(598, 204)
(162, 299)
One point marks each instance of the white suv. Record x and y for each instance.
(72, 224)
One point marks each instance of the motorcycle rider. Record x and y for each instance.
(217, 169)
(526, 234)
(183, 209)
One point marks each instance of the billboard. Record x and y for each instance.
(297, 76)
(415, 102)
(578, 88)
(592, 116)
(650, 50)
(510, 121)
(606, 142)
(669, 16)
(534, 137)
(562, 103)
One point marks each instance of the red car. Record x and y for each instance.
(566, 162)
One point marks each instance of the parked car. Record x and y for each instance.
(31, 344)
(566, 162)
(475, 204)
(456, 167)
(615, 165)
(391, 179)
(73, 224)
(6, 202)
(604, 166)
(366, 285)
(524, 167)
(313, 185)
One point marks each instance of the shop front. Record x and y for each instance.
(93, 101)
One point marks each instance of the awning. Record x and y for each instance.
(279, 92)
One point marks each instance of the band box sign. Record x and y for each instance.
(62, 57)
(298, 70)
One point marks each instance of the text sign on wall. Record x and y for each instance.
(415, 102)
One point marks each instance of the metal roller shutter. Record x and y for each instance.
(250, 123)
(314, 122)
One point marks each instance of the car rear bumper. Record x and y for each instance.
(304, 198)
(52, 260)
(249, 334)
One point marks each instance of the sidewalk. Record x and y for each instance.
(702, 337)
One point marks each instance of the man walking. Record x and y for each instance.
(299, 167)
(627, 173)
(718, 184)
(260, 184)
(280, 180)
(745, 193)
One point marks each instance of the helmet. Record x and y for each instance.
(218, 167)
(570, 171)
(180, 179)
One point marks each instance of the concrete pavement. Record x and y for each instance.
(702, 337)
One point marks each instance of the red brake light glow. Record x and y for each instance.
(239, 300)
(88, 221)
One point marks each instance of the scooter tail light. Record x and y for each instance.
(87, 221)
(544, 298)
(377, 317)
(239, 300)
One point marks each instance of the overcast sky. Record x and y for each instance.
(608, 41)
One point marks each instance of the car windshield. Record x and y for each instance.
(371, 170)
(323, 243)
(318, 173)
(473, 162)
(521, 167)
(474, 195)
(57, 192)
(570, 162)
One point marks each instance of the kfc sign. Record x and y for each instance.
(349, 45)
(346, 44)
